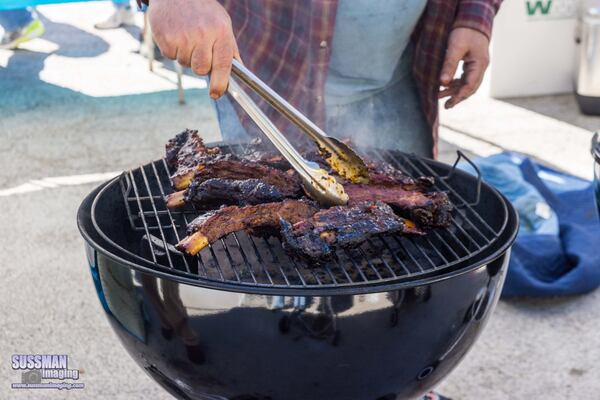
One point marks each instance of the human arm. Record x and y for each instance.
(198, 34)
(468, 42)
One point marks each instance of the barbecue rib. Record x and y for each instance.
(261, 190)
(428, 210)
(316, 238)
(185, 152)
(207, 228)
(384, 174)
(217, 192)
(287, 182)
(187, 147)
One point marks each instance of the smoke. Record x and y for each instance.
(391, 119)
(356, 123)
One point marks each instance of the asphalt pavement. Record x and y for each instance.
(81, 105)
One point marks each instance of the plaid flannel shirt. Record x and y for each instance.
(287, 44)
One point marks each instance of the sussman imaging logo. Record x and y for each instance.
(37, 367)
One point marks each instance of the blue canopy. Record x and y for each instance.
(16, 4)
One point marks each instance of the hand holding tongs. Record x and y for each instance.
(320, 185)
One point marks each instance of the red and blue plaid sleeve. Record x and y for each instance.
(477, 14)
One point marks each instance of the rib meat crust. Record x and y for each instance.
(263, 193)
(218, 192)
(287, 182)
(317, 237)
(427, 209)
(185, 152)
(211, 226)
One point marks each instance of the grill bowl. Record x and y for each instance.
(203, 339)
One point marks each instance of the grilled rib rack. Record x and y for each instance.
(246, 261)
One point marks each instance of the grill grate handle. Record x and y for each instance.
(477, 170)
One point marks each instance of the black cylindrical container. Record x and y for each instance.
(596, 154)
(587, 90)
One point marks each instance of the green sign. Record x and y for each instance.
(538, 7)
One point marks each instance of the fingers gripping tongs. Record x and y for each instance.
(321, 186)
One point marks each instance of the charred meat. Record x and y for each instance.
(185, 152)
(214, 225)
(190, 157)
(217, 192)
(186, 148)
(427, 209)
(287, 182)
(317, 237)
(261, 193)
(385, 174)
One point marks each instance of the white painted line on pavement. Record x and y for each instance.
(36, 185)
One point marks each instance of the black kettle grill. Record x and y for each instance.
(242, 321)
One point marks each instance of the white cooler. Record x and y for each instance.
(533, 48)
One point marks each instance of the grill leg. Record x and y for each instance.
(148, 42)
(180, 92)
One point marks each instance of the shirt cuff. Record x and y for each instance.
(477, 14)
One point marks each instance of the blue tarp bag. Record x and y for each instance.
(557, 249)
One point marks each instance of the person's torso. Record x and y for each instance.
(369, 40)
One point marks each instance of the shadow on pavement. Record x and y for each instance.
(23, 69)
(135, 31)
(72, 41)
(547, 305)
(20, 78)
(561, 107)
(51, 130)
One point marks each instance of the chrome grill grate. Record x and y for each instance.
(259, 261)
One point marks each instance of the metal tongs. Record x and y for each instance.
(317, 182)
